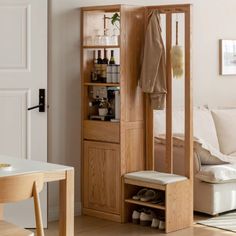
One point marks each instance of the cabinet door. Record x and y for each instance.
(102, 176)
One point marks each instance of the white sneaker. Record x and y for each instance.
(136, 217)
(162, 225)
(155, 223)
(145, 219)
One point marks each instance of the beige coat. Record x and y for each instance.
(153, 70)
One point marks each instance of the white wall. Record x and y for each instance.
(64, 94)
(212, 20)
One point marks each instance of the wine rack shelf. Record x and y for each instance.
(102, 84)
(100, 46)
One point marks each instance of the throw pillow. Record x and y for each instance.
(225, 122)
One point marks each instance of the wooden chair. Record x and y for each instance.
(19, 188)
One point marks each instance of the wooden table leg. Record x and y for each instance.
(67, 205)
(1, 211)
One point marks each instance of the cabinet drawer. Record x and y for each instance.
(102, 131)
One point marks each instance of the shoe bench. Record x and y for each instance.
(177, 204)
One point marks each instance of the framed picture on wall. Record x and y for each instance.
(227, 57)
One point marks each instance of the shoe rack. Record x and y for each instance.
(176, 209)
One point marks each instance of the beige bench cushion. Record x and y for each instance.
(154, 177)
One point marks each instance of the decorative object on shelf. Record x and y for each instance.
(103, 107)
(115, 37)
(227, 57)
(113, 74)
(115, 20)
(104, 70)
(177, 55)
(96, 70)
(97, 39)
(112, 59)
(106, 39)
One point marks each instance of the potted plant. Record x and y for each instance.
(115, 20)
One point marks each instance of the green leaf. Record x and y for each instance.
(115, 17)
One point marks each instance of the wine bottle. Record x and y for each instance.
(104, 67)
(112, 59)
(94, 57)
(105, 59)
(99, 66)
(94, 73)
(99, 59)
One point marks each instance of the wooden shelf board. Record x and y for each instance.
(105, 121)
(102, 84)
(156, 206)
(100, 46)
(106, 8)
(145, 184)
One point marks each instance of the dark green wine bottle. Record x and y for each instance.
(112, 59)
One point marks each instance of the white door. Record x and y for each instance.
(23, 71)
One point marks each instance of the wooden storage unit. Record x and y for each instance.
(176, 210)
(112, 149)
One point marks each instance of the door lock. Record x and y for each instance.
(41, 105)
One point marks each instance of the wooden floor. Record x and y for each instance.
(89, 226)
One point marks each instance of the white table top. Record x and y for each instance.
(22, 166)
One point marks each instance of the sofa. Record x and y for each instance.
(214, 156)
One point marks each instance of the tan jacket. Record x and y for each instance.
(153, 69)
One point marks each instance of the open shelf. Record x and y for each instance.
(102, 84)
(146, 204)
(100, 46)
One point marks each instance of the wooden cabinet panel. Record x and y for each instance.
(102, 176)
(102, 131)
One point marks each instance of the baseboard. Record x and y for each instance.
(102, 215)
(53, 212)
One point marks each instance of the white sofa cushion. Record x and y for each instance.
(203, 124)
(225, 122)
(217, 173)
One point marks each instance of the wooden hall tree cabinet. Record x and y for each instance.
(111, 149)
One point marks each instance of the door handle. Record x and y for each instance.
(41, 105)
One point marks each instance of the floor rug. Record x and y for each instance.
(225, 221)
